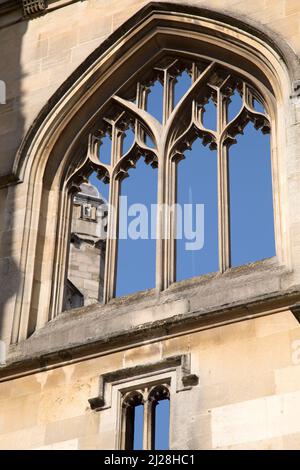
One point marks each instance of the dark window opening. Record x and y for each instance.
(146, 419)
(160, 418)
(133, 409)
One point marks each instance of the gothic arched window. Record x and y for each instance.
(145, 420)
(183, 151)
(173, 113)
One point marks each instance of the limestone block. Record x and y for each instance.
(287, 379)
(256, 420)
(73, 428)
(29, 438)
(71, 444)
(272, 324)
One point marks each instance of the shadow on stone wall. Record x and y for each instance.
(11, 133)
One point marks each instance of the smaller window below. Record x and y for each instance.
(160, 398)
(133, 421)
(146, 419)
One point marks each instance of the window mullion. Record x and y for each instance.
(162, 242)
(148, 432)
(141, 101)
(168, 96)
(169, 183)
(160, 226)
(113, 218)
(223, 187)
(172, 188)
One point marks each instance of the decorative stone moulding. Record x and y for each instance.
(181, 365)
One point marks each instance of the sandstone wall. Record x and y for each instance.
(248, 396)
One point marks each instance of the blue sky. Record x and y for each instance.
(162, 429)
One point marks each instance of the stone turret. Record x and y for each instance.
(87, 248)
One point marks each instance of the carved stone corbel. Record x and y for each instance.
(33, 8)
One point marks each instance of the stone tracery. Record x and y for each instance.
(181, 125)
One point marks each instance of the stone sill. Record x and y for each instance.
(191, 305)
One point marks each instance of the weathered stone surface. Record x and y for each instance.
(242, 338)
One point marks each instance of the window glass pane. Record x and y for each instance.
(136, 249)
(138, 427)
(234, 105)
(162, 425)
(258, 106)
(128, 140)
(87, 250)
(102, 188)
(182, 85)
(210, 116)
(251, 204)
(197, 195)
(155, 100)
(105, 149)
(149, 142)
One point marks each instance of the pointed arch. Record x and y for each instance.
(57, 145)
